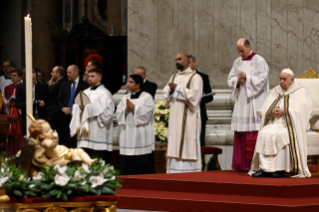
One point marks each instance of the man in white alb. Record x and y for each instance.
(282, 144)
(95, 128)
(135, 115)
(183, 94)
(248, 81)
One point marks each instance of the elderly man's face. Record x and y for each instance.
(285, 81)
(140, 72)
(243, 50)
(72, 75)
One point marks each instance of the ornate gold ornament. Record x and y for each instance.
(3, 196)
(310, 74)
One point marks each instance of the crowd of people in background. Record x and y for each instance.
(91, 129)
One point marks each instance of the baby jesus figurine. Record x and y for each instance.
(41, 131)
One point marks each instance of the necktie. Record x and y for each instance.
(72, 96)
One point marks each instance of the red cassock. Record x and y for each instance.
(10, 92)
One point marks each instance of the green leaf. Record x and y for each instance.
(30, 194)
(92, 190)
(64, 197)
(98, 191)
(71, 185)
(69, 192)
(17, 193)
(106, 190)
(53, 192)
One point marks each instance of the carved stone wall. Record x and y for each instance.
(285, 33)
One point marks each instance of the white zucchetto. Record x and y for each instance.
(288, 71)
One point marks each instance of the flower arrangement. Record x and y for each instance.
(59, 182)
(161, 121)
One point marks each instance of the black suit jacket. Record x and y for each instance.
(52, 111)
(206, 89)
(64, 97)
(41, 93)
(150, 87)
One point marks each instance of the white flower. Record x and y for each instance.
(3, 180)
(60, 169)
(86, 168)
(2, 170)
(78, 176)
(38, 177)
(83, 183)
(97, 180)
(102, 162)
(61, 180)
(21, 177)
(31, 186)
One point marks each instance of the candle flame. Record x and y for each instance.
(28, 15)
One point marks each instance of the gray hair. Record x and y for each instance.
(192, 57)
(141, 68)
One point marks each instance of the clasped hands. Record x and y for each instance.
(129, 105)
(172, 86)
(278, 112)
(241, 78)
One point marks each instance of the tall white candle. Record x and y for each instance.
(28, 61)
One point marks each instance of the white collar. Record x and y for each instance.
(77, 80)
(144, 80)
(188, 70)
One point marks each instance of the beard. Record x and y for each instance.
(179, 66)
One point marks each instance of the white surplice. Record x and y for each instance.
(183, 148)
(4, 83)
(250, 96)
(97, 119)
(137, 127)
(273, 147)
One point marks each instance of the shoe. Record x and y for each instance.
(259, 173)
(278, 174)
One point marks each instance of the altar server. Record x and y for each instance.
(248, 81)
(282, 144)
(135, 115)
(95, 128)
(183, 94)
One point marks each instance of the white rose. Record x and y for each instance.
(61, 180)
(97, 180)
(60, 169)
(3, 180)
(85, 167)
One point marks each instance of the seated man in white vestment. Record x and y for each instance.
(183, 94)
(96, 126)
(135, 115)
(281, 144)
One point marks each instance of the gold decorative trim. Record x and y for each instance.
(99, 206)
(310, 74)
(4, 198)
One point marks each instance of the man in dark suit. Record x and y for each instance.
(55, 84)
(148, 86)
(41, 100)
(67, 94)
(206, 90)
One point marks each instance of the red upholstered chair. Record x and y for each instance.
(13, 119)
(4, 124)
(207, 150)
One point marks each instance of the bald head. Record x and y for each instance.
(73, 72)
(181, 61)
(243, 47)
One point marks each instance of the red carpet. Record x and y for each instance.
(218, 191)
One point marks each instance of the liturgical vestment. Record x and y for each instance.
(137, 134)
(248, 99)
(97, 120)
(183, 150)
(282, 143)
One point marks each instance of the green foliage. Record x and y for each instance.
(59, 182)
